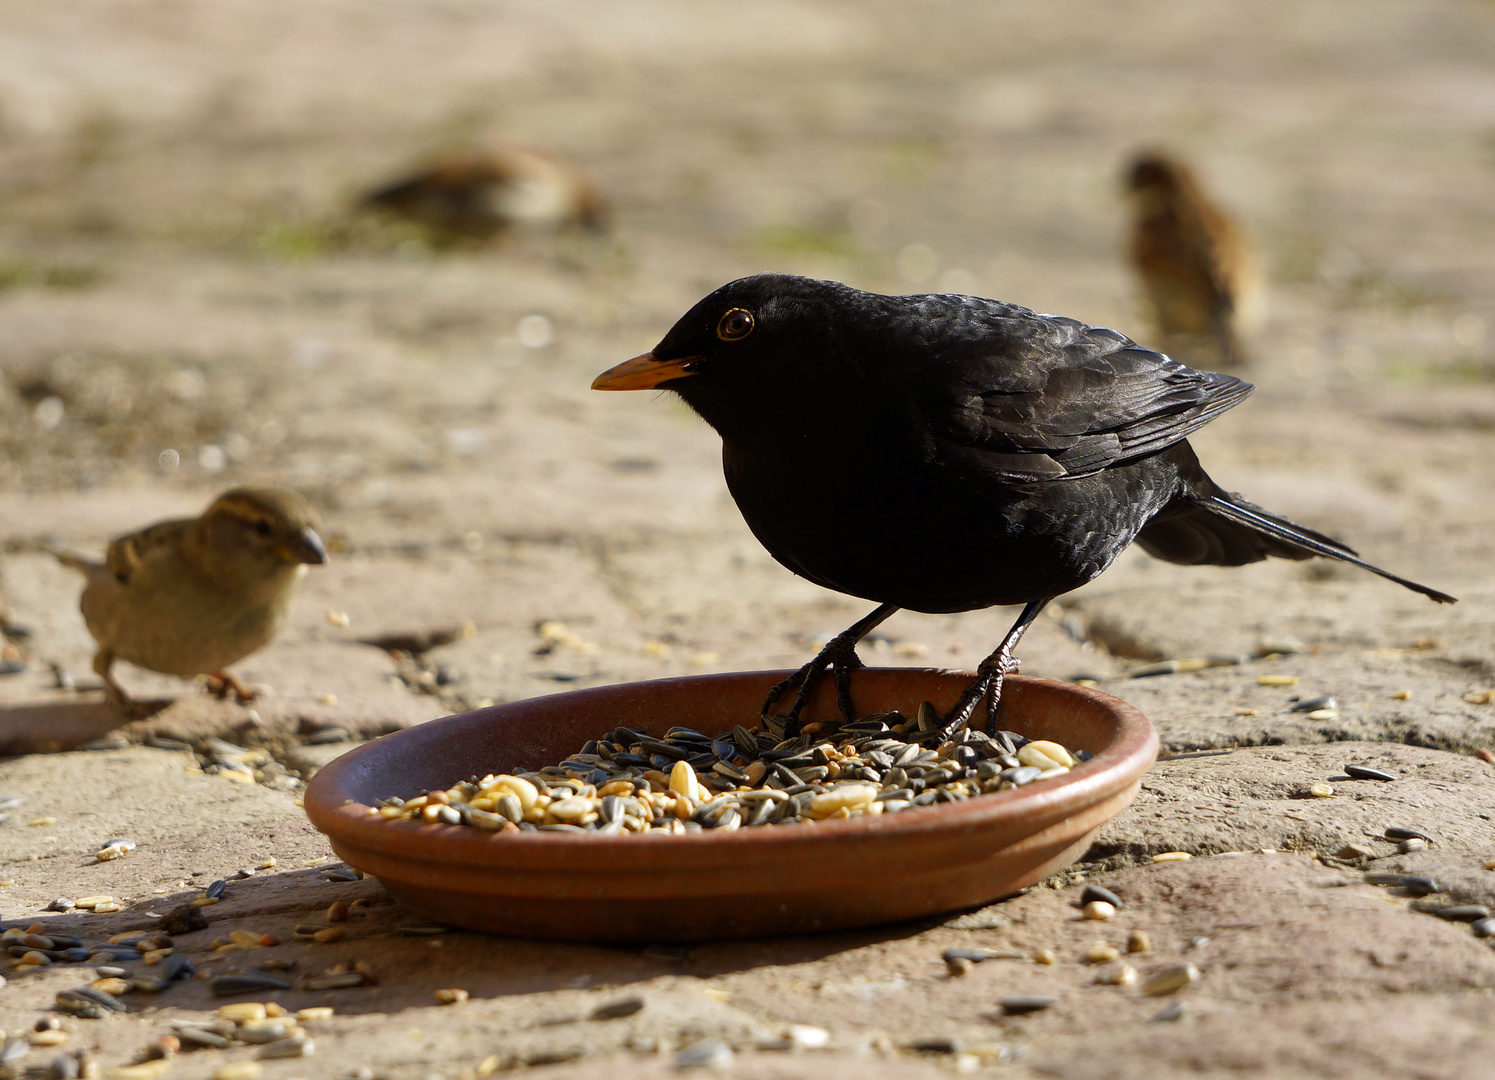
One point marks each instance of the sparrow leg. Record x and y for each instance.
(221, 683)
(987, 684)
(839, 657)
(115, 694)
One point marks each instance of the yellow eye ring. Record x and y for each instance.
(735, 324)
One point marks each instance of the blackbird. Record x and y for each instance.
(945, 453)
(1195, 265)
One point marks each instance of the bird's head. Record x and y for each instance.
(261, 527)
(754, 342)
(1155, 180)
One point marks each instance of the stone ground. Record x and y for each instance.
(178, 269)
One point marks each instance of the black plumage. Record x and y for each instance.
(946, 453)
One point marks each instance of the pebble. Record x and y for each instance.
(1352, 851)
(1018, 1004)
(705, 1054)
(1365, 772)
(617, 1008)
(1099, 910)
(1170, 979)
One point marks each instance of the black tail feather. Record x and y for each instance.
(1241, 513)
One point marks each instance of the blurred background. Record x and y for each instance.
(224, 257)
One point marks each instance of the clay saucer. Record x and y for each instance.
(768, 880)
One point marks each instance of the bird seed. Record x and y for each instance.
(630, 782)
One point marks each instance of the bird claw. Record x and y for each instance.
(220, 684)
(839, 658)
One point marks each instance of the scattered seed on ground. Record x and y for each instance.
(617, 1009)
(705, 1054)
(1117, 975)
(451, 996)
(1099, 910)
(1463, 912)
(1018, 1004)
(1167, 1013)
(1170, 979)
(1098, 892)
(1172, 856)
(1365, 772)
(1137, 941)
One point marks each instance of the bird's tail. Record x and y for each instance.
(80, 563)
(1222, 529)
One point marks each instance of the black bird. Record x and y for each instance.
(946, 453)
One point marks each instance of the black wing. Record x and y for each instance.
(1040, 397)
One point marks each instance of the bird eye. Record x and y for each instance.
(735, 325)
(262, 527)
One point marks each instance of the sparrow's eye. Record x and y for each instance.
(262, 527)
(735, 325)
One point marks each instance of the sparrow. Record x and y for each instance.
(477, 197)
(945, 453)
(1195, 266)
(191, 596)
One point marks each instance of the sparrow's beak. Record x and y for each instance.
(645, 373)
(307, 548)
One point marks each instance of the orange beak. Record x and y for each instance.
(644, 373)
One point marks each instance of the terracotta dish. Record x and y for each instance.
(785, 879)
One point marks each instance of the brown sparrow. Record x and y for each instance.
(190, 596)
(1196, 267)
(479, 196)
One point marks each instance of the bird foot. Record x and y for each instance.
(220, 684)
(986, 686)
(840, 659)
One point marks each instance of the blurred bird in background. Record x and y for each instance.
(190, 596)
(1197, 269)
(481, 196)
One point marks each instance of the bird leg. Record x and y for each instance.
(988, 681)
(114, 693)
(839, 657)
(221, 683)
